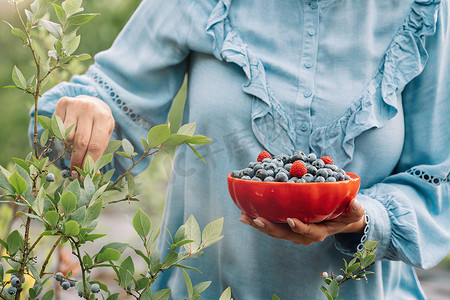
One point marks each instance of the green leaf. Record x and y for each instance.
(44, 138)
(366, 261)
(72, 45)
(123, 154)
(45, 122)
(155, 258)
(131, 184)
(18, 78)
(161, 295)
(59, 48)
(196, 153)
(113, 296)
(176, 139)
(23, 164)
(127, 147)
(98, 193)
(39, 8)
(75, 188)
(145, 144)
(55, 29)
(71, 6)
(68, 130)
(14, 242)
(325, 291)
(68, 202)
(275, 297)
(226, 295)
(103, 161)
(189, 287)
(142, 224)
(352, 268)
(87, 260)
(93, 212)
(201, 287)
(143, 256)
(60, 13)
(126, 271)
(80, 19)
(370, 245)
(186, 267)
(89, 164)
(93, 237)
(2, 272)
(158, 135)
(211, 232)
(18, 183)
(142, 283)
(170, 258)
(179, 235)
(58, 127)
(187, 129)
(116, 246)
(79, 215)
(199, 140)
(333, 289)
(71, 228)
(107, 255)
(4, 182)
(192, 232)
(81, 57)
(48, 295)
(38, 203)
(20, 34)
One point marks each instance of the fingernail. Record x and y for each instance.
(356, 205)
(290, 222)
(259, 223)
(74, 174)
(244, 221)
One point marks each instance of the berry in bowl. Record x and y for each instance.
(298, 186)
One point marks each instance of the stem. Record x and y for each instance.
(122, 200)
(38, 80)
(26, 253)
(35, 243)
(83, 270)
(56, 159)
(47, 259)
(146, 154)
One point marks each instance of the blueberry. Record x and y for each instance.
(72, 282)
(269, 179)
(15, 281)
(80, 294)
(330, 179)
(245, 177)
(249, 172)
(281, 177)
(261, 173)
(298, 155)
(330, 172)
(339, 176)
(288, 167)
(252, 164)
(59, 276)
(95, 288)
(323, 173)
(318, 163)
(311, 157)
(258, 166)
(236, 174)
(284, 158)
(332, 167)
(346, 177)
(11, 290)
(319, 179)
(301, 180)
(65, 173)
(266, 160)
(270, 166)
(278, 162)
(339, 278)
(308, 177)
(65, 284)
(281, 170)
(48, 152)
(293, 180)
(50, 177)
(311, 169)
(256, 178)
(270, 173)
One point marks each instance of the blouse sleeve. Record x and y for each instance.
(409, 212)
(140, 74)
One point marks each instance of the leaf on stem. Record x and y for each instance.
(71, 6)
(55, 29)
(211, 232)
(18, 78)
(18, 183)
(187, 129)
(142, 224)
(161, 295)
(226, 295)
(60, 13)
(192, 232)
(113, 146)
(158, 135)
(14, 242)
(68, 202)
(71, 228)
(80, 19)
(20, 34)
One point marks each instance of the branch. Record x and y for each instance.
(47, 259)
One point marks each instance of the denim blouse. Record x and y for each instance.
(365, 82)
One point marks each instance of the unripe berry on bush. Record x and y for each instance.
(324, 275)
(50, 177)
(339, 278)
(11, 290)
(95, 288)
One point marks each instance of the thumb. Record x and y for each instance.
(354, 216)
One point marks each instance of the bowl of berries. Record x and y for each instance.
(300, 186)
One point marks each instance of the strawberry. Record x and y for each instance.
(262, 155)
(327, 160)
(298, 169)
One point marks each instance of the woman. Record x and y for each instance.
(365, 82)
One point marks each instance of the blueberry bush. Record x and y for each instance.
(68, 210)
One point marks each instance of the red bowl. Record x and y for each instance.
(311, 202)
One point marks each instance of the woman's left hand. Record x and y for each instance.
(351, 220)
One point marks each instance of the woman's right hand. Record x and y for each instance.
(94, 125)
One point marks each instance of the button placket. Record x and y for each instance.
(307, 73)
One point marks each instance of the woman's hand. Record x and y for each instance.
(351, 220)
(94, 124)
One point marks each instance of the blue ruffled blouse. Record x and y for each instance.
(365, 82)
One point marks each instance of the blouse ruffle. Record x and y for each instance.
(404, 59)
